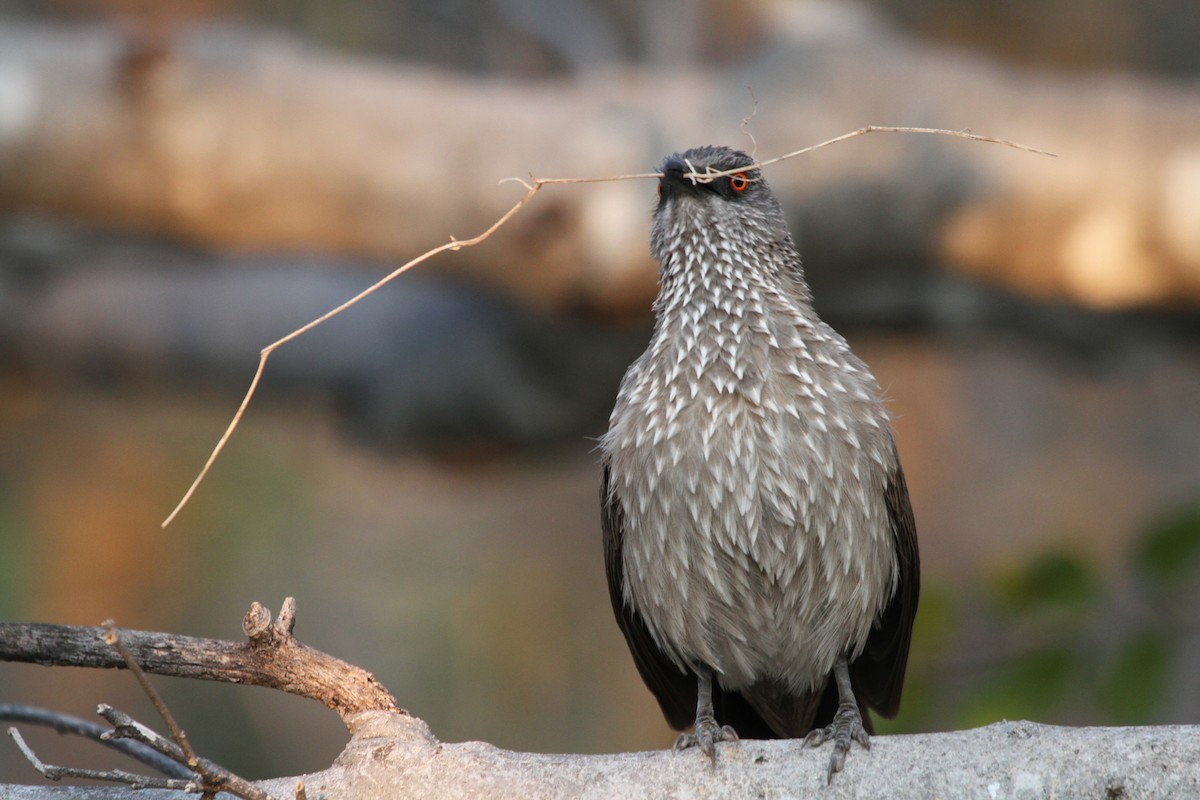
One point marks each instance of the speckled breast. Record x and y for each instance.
(750, 450)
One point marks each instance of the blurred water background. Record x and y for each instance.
(420, 473)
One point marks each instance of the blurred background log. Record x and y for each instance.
(254, 141)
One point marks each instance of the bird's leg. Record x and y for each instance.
(705, 732)
(847, 722)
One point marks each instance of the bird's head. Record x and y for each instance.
(700, 201)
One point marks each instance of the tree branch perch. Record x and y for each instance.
(392, 754)
(271, 657)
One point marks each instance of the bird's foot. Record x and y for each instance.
(705, 735)
(847, 725)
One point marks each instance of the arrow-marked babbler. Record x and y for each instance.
(759, 542)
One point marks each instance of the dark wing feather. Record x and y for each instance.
(674, 689)
(878, 674)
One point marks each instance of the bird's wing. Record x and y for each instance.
(878, 674)
(674, 689)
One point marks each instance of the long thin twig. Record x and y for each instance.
(961, 134)
(532, 187)
(113, 637)
(265, 353)
(704, 177)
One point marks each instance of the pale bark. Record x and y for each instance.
(270, 657)
(392, 755)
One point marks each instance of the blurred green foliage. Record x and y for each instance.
(1031, 686)
(1056, 581)
(1057, 638)
(1135, 687)
(1170, 550)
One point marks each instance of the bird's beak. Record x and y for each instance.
(673, 181)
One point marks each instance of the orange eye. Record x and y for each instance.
(738, 182)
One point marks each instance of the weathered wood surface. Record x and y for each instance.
(270, 657)
(396, 756)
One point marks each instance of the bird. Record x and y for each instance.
(759, 542)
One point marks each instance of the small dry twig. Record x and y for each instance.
(213, 776)
(746, 120)
(206, 777)
(272, 657)
(113, 637)
(532, 187)
(131, 779)
(69, 724)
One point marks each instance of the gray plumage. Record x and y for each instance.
(756, 521)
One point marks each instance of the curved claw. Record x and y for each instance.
(847, 726)
(706, 735)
